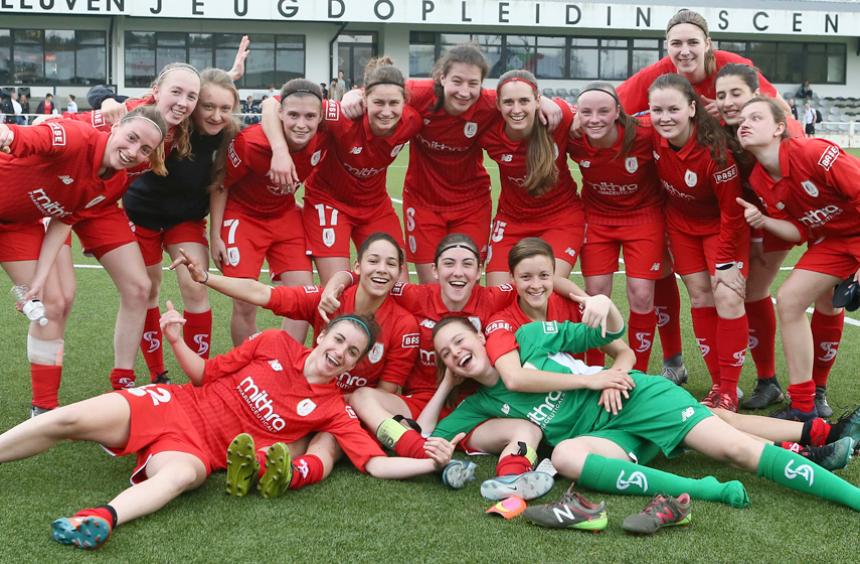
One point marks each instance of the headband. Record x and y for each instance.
(138, 116)
(460, 246)
(381, 82)
(360, 322)
(518, 79)
(614, 97)
(303, 91)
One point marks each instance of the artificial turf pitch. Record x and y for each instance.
(357, 518)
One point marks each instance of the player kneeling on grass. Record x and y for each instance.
(595, 446)
(270, 385)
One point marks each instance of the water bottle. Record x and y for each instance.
(33, 309)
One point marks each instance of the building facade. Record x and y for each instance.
(65, 46)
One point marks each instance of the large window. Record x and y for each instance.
(274, 59)
(556, 57)
(792, 61)
(52, 56)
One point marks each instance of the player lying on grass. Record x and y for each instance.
(595, 446)
(270, 385)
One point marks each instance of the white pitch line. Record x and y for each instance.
(848, 320)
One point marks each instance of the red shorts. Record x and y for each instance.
(158, 424)
(101, 234)
(424, 228)
(698, 253)
(563, 232)
(21, 241)
(643, 245)
(153, 243)
(771, 243)
(329, 229)
(835, 257)
(280, 240)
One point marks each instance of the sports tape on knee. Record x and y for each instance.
(48, 353)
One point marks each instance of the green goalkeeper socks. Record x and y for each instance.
(623, 477)
(798, 473)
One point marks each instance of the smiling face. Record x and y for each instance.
(214, 109)
(462, 87)
(176, 96)
(300, 116)
(461, 350)
(686, 46)
(533, 281)
(379, 268)
(671, 114)
(130, 143)
(384, 105)
(457, 270)
(338, 350)
(598, 112)
(758, 128)
(518, 104)
(732, 93)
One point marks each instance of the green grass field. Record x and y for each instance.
(352, 517)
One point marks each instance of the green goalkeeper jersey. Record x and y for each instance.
(560, 415)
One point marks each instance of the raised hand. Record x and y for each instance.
(197, 273)
(171, 323)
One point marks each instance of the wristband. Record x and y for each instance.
(725, 265)
(205, 280)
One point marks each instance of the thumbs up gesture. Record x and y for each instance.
(752, 214)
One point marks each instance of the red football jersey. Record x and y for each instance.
(633, 92)
(52, 171)
(701, 194)
(619, 190)
(425, 302)
(260, 387)
(512, 156)
(391, 357)
(446, 165)
(819, 190)
(355, 173)
(502, 328)
(248, 158)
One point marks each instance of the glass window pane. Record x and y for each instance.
(647, 43)
(550, 62)
(291, 42)
(550, 41)
(5, 55)
(583, 42)
(259, 69)
(613, 64)
(815, 68)
(356, 38)
(139, 58)
(91, 57)
(454, 38)
(171, 49)
(422, 37)
(290, 63)
(763, 55)
(262, 41)
(491, 46)
(421, 59)
(583, 63)
(643, 58)
(739, 47)
(227, 40)
(29, 56)
(789, 63)
(836, 68)
(59, 55)
(200, 58)
(520, 53)
(618, 43)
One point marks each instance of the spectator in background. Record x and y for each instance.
(7, 111)
(341, 86)
(249, 107)
(793, 105)
(16, 105)
(809, 119)
(332, 89)
(805, 91)
(46, 106)
(324, 90)
(72, 105)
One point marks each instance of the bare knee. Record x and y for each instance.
(569, 458)
(136, 290)
(788, 304)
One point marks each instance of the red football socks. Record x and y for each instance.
(411, 445)
(197, 332)
(762, 340)
(512, 465)
(732, 340)
(307, 470)
(150, 343)
(595, 357)
(705, 328)
(640, 335)
(803, 396)
(45, 380)
(667, 303)
(122, 378)
(826, 335)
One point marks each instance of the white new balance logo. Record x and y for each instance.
(635, 479)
